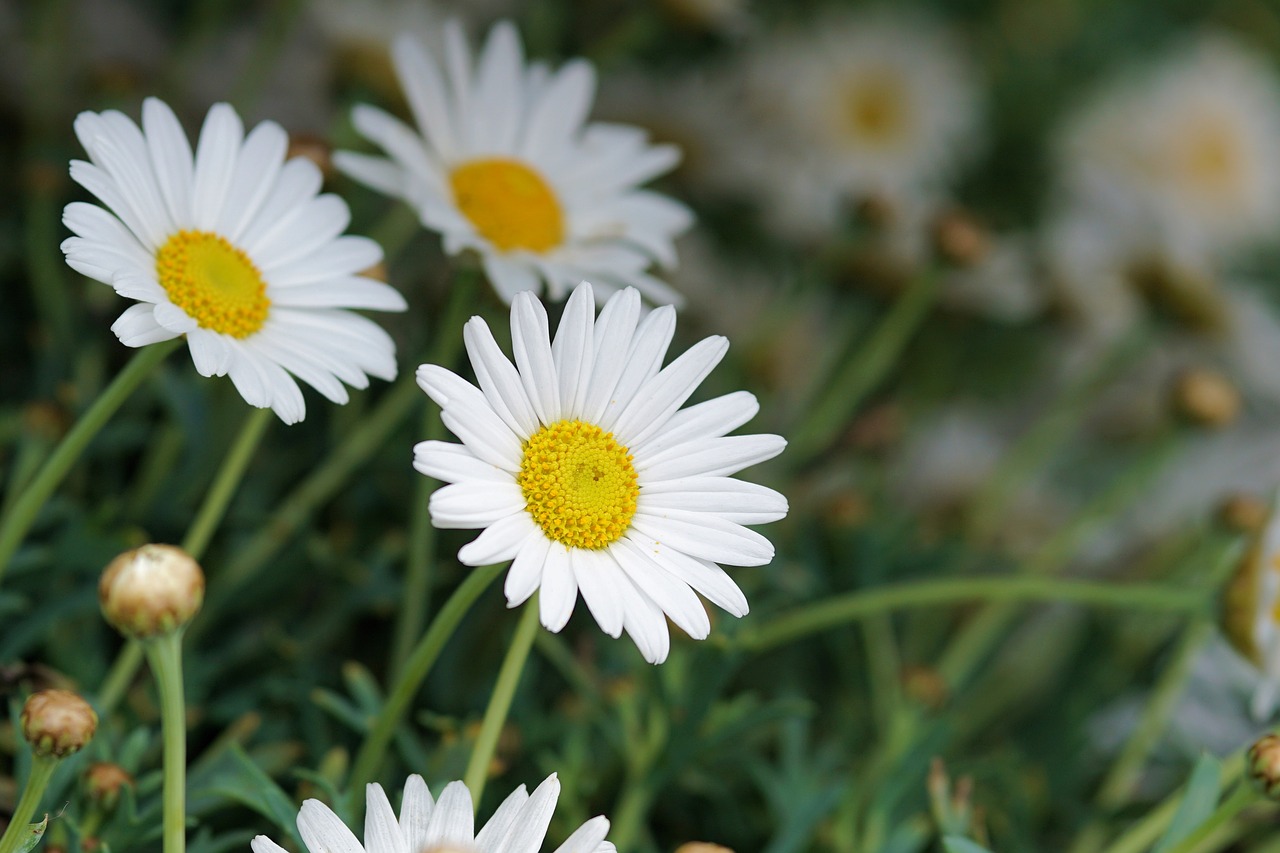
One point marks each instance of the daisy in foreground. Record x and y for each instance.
(233, 248)
(444, 826)
(583, 470)
(505, 166)
(1251, 615)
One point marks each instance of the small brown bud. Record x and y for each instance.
(1243, 513)
(959, 239)
(57, 723)
(875, 211)
(311, 147)
(925, 685)
(104, 781)
(702, 847)
(1264, 765)
(151, 590)
(1207, 398)
(378, 271)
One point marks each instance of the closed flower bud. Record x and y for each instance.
(104, 782)
(1243, 513)
(57, 723)
(1207, 398)
(151, 590)
(959, 240)
(1264, 765)
(702, 847)
(1250, 605)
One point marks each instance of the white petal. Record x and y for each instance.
(471, 505)
(600, 580)
(344, 292)
(453, 463)
(709, 419)
(586, 838)
(710, 457)
(498, 378)
(137, 327)
(733, 500)
(706, 536)
(381, 829)
(209, 352)
(572, 349)
(533, 819)
(258, 163)
(647, 627)
(343, 256)
(310, 226)
(501, 824)
(98, 182)
(530, 341)
(643, 360)
(560, 109)
(495, 112)
(321, 829)
(425, 92)
(559, 589)
(452, 820)
(659, 398)
(673, 595)
(298, 181)
(375, 172)
(215, 163)
(614, 330)
(416, 806)
(170, 157)
(705, 577)
(509, 277)
(262, 844)
(500, 541)
(525, 573)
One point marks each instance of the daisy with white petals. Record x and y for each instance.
(446, 825)
(1251, 615)
(583, 469)
(233, 247)
(505, 165)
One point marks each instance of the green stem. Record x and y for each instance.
(373, 750)
(225, 483)
(164, 654)
(20, 518)
(854, 606)
(629, 816)
(864, 371)
(1240, 799)
(415, 598)
(42, 768)
(1147, 831)
(500, 702)
(120, 677)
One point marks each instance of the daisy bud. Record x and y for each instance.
(151, 590)
(702, 847)
(314, 148)
(1264, 765)
(104, 781)
(1243, 513)
(959, 240)
(1207, 398)
(57, 723)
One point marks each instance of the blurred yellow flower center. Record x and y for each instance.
(213, 282)
(509, 204)
(579, 484)
(875, 108)
(1211, 157)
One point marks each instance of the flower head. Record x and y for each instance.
(57, 722)
(151, 590)
(233, 248)
(443, 826)
(505, 165)
(583, 469)
(1251, 613)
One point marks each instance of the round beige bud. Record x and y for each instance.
(57, 723)
(959, 240)
(104, 781)
(151, 590)
(1264, 765)
(1243, 513)
(1207, 398)
(702, 847)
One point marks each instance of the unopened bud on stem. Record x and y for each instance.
(1264, 765)
(151, 590)
(57, 723)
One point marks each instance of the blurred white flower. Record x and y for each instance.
(853, 106)
(581, 467)
(429, 826)
(232, 248)
(1251, 615)
(1181, 157)
(507, 166)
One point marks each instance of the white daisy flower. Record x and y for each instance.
(505, 166)
(233, 248)
(1251, 615)
(581, 467)
(446, 825)
(854, 106)
(1183, 155)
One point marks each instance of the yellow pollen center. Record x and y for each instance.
(579, 484)
(1212, 158)
(875, 109)
(213, 282)
(509, 204)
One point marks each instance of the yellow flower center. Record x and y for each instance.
(213, 282)
(579, 484)
(509, 204)
(1211, 158)
(875, 108)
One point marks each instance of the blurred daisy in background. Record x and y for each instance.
(518, 826)
(1251, 615)
(581, 467)
(233, 248)
(855, 106)
(506, 165)
(1181, 157)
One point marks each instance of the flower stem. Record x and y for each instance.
(1146, 832)
(42, 768)
(500, 702)
(373, 750)
(23, 513)
(164, 654)
(1240, 799)
(858, 605)
(864, 370)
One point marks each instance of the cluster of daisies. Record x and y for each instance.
(579, 460)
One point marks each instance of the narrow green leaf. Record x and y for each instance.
(35, 831)
(1197, 803)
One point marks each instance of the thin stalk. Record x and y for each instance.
(373, 750)
(120, 677)
(854, 606)
(164, 654)
(23, 513)
(864, 371)
(417, 572)
(42, 768)
(629, 816)
(504, 690)
(225, 483)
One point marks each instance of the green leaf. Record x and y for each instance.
(35, 831)
(956, 844)
(1197, 803)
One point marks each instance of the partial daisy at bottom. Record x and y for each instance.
(446, 825)
(580, 466)
(232, 247)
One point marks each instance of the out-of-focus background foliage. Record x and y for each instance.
(1091, 388)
